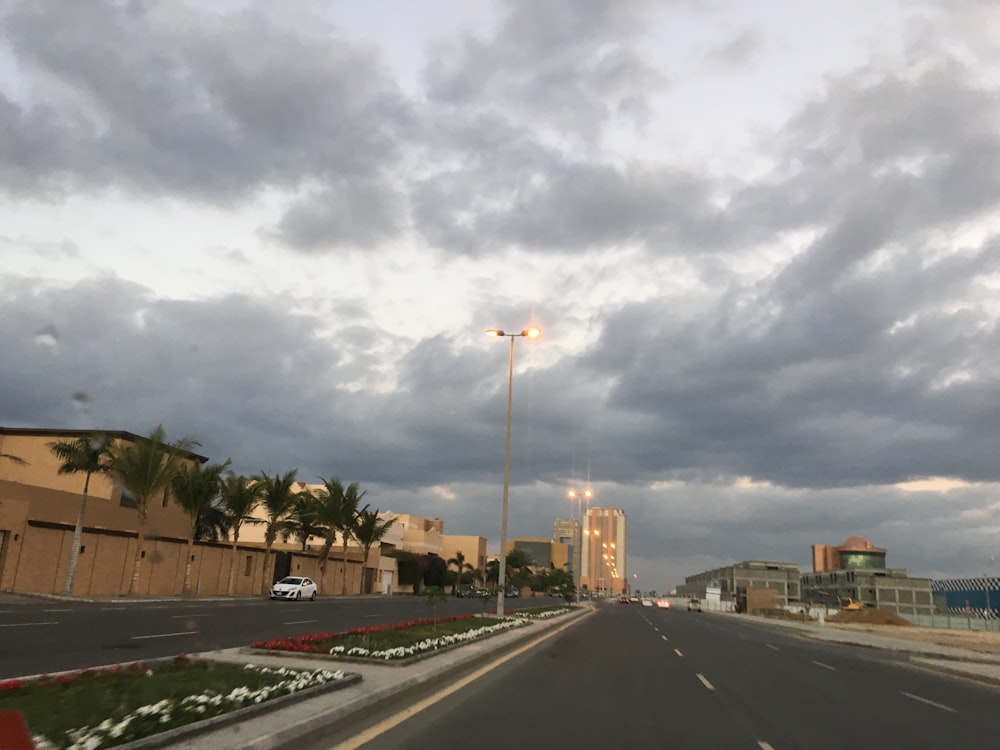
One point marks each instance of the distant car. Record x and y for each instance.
(464, 592)
(623, 600)
(480, 593)
(663, 603)
(694, 605)
(647, 602)
(294, 587)
(512, 593)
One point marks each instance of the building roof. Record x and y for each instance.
(860, 544)
(67, 433)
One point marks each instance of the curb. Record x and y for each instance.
(337, 721)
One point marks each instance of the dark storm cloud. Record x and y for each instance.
(170, 100)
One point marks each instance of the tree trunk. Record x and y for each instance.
(232, 564)
(364, 569)
(266, 586)
(324, 558)
(186, 590)
(77, 538)
(343, 582)
(137, 565)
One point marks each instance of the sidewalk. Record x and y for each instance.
(976, 665)
(381, 687)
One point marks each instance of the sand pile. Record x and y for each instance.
(869, 616)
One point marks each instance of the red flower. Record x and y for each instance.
(10, 684)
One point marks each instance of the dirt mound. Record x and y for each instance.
(869, 616)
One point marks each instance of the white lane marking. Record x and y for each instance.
(773, 648)
(656, 629)
(705, 682)
(67, 609)
(300, 622)
(943, 707)
(184, 617)
(764, 745)
(663, 637)
(367, 616)
(678, 652)
(164, 635)
(27, 624)
(825, 666)
(112, 609)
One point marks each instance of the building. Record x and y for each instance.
(473, 549)
(545, 554)
(38, 512)
(567, 531)
(855, 552)
(604, 550)
(860, 574)
(733, 581)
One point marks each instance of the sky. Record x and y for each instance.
(761, 240)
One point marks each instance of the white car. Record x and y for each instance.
(647, 602)
(294, 587)
(663, 603)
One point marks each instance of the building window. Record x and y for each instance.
(83, 548)
(126, 501)
(249, 565)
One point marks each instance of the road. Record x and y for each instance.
(639, 677)
(40, 636)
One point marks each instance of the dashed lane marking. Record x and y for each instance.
(705, 682)
(773, 648)
(929, 702)
(65, 609)
(678, 652)
(184, 617)
(764, 745)
(300, 622)
(663, 637)
(825, 666)
(164, 635)
(27, 624)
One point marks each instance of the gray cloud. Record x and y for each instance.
(739, 50)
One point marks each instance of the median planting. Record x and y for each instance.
(107, 707)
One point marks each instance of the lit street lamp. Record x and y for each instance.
(531, 333)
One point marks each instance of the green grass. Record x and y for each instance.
(54, 706)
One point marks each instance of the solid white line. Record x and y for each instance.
(26, 624)
(678, 652)
(773, 648)
(825, 666)
(112, 609)
(67, 609)
(184, 617)
(943, 707)
(300, 622)
(764, 745)
(164, 635)
(705, 682)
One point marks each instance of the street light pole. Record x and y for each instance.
(502, 576)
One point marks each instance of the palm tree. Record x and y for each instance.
(302, 522)
(86, 455)
(337, 511)
(240, 497)
(369, 531)
(459, 562)
(195, 488)
(277, 500)
(145, 468)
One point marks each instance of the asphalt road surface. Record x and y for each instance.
(638, 677)
(44, 636)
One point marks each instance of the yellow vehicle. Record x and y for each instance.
(847, 604)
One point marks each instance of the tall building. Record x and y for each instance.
(604, 550)
(567, 531)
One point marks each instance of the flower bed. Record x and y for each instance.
(544, 613)
(138, 700)
(395, 641)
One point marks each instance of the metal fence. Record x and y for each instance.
(955, 621)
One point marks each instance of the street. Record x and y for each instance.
(38, 636)
(639, 677)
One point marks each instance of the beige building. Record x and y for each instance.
(473, 548)
(604, 550)
(38, 510)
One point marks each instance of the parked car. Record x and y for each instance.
(464, 592)
(294, 587)
(694, 605)
(512, 593)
